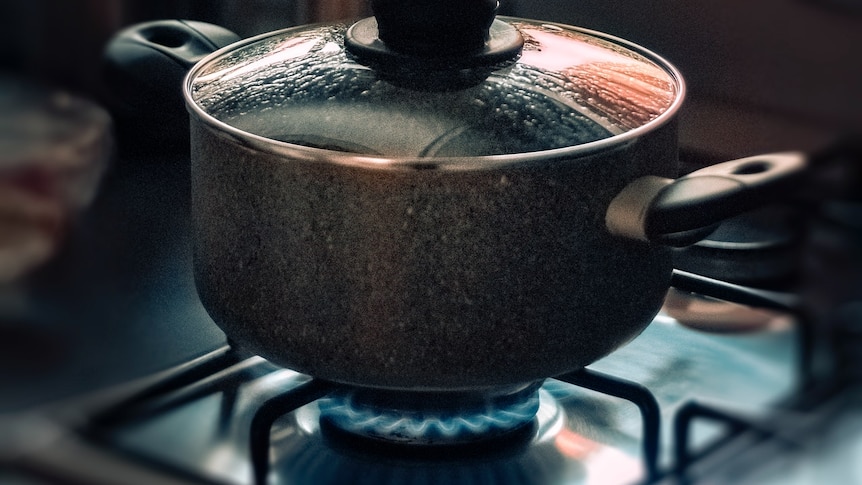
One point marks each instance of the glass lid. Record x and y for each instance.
(532, 86)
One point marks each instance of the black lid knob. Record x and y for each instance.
(434, 44)
(434, 28)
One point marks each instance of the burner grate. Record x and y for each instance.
(224, 370)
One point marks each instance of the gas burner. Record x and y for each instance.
(319, 452)
(427, 418)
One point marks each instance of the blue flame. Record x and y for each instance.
(461, 423)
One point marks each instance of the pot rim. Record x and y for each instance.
(296, 152)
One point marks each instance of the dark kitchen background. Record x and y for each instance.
(116, 299)
(762, 76)
(790, 65)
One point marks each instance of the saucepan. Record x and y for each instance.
(436, 199)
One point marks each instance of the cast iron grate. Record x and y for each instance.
(225, 369)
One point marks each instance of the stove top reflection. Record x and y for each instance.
(577, 437)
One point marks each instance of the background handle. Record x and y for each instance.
(144, 66)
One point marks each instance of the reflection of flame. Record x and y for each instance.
(629, 94)
(290, 49)
(557, 50)
(605, 465)
(629, 91)
(225, 461)
(574, 445)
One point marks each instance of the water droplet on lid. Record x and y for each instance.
(551, 28)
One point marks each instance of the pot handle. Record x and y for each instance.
(144, 65)
(683, 211)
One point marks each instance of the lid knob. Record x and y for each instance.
(434, 44)
(434, 28)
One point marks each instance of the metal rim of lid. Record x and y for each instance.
(459, 164)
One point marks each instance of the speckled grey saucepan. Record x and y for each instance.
(383, 232)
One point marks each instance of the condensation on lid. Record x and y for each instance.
(567, 88)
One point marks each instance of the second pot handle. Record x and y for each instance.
(682, 211)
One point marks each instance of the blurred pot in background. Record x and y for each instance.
(61, 42)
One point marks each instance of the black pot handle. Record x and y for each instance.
(144, 65)
(683, 211)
